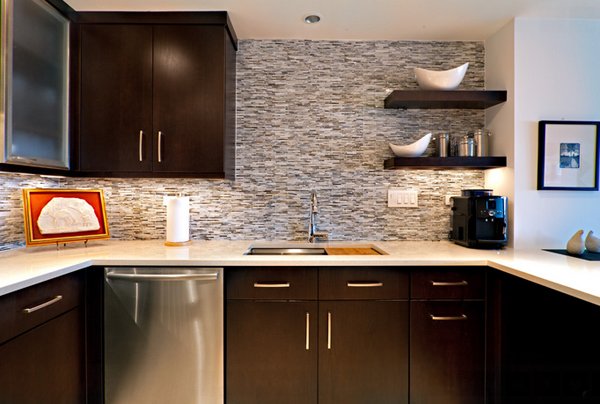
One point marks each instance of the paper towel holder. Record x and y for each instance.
(177, 237)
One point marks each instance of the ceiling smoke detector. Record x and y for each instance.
(312, 19)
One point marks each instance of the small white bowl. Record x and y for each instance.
(440, 80)
(412, 150)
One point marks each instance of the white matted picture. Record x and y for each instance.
(568, 155)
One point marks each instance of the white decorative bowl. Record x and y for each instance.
(414, 149)
(440, 80)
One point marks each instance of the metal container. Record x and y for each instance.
(482, 142)
(466, 147)
(443, 144)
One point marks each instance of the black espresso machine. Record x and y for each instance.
(479, 219)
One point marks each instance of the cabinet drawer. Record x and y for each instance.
(290, 283)
(362, 283)
(447, 345)
(451, 283)
(27, 308)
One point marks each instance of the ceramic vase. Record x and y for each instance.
(592, 243)
(576, 245)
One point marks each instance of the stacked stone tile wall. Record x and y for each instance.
(310, 117)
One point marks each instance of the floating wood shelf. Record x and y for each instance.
(458, 99)
(444, 163)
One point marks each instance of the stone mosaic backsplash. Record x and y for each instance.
(309, 117)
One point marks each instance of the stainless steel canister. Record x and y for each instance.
(482, 142)
(466, 147)
(443, 144)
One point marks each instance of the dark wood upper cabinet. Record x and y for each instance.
(157, 95)
(116, 94)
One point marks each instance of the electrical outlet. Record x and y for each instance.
(400, 198)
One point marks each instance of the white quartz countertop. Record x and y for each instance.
(24, 267)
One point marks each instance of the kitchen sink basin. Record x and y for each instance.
(286, 251)
(312, 249)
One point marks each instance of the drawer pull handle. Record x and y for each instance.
(159, 146)
(328, 330)
(307, 331)
(448, 318)
(271, 285)
(50, 302)
(459, 283)
(141, 146)
(365, 284)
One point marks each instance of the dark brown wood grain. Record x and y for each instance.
(445, 163)
(435, 99)
(169, 76)
(239, 283)
(333, 283)
(94, 334)
(447, 357)
(266, 357)
(45, 364)
(448, 283)
(116, 97)
(189, 98)
(367, 361)
(15, 321)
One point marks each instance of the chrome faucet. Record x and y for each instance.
(313, 233)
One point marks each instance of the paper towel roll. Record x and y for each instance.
(178, 218)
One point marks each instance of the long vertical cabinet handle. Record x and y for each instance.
(328, 330)
(141, 146)
(307, 331)
(159, 147)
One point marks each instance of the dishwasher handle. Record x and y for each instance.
(212, 276)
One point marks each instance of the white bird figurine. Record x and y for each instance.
(576, 245)
(592, 243)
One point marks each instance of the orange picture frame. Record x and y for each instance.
(35, 199)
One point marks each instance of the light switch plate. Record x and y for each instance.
(402, 198)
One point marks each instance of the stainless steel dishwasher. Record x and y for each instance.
(163, 335)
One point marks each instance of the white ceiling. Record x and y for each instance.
(363, 19)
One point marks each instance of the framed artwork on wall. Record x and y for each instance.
(568, 155)
(55, 216)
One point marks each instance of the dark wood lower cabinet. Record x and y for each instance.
(547, 350)
(447, 352)
(45, 364)
(271, 352)
(374, 344)
(363, 352)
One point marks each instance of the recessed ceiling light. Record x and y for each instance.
(312, 19)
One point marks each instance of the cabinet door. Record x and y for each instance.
(447, 352)
(116, 98)
(34, 94)
(45, 365)
(189, 98)
(363, 352)
(271, 352)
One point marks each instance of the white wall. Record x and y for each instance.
(556, 76)
(499, 75)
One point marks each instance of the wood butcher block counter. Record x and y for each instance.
(24, 267)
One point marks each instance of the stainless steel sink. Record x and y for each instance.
(286, 251)
(303, 248)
